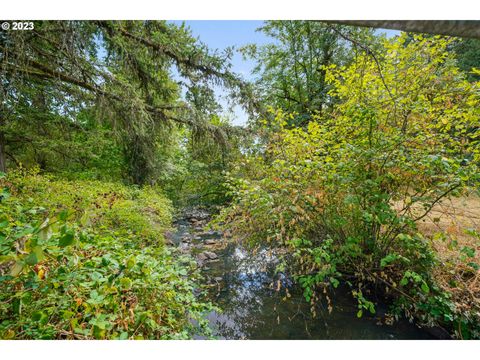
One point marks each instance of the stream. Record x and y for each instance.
(244, 286)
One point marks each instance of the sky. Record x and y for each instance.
(220, 34)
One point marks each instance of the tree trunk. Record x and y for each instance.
(3, 165)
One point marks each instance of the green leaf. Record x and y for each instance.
(388, 259)
(425, 287)
(359, 313)
(4, 194)
(469, 251)
(67, 239)
(98, 332)
(38, 252)
(126, 283)
(31, 259)
(17, 306)
(27, 230)
(68, 314)
(473, 265)
(334, 282)
(39, 316)
(131, 262)
(5, 278)
(63, 215)
(16, 268)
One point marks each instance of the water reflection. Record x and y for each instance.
(243, 285)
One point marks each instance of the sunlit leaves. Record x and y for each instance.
(345, 193)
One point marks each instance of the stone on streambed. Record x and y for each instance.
(211, 233)
(207, 255)
(195, 215)
(211, 255)
(202, 257)
(210, 242)
(184, 250)
(186, 239)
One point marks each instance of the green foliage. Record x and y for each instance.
(82, 260)
(363, 303)
(99, 96)
(354, 183)
(291, 68)
(201, 165)
(467, 52)
(363, 137)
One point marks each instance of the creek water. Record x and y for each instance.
(244, 286)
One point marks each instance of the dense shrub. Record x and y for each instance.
(344, 194)
(85, 259)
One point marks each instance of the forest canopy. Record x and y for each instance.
(115, 82)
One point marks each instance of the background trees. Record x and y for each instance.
(112, 77)
(467, 52)
(291, 73)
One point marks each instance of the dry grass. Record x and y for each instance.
(452, 217)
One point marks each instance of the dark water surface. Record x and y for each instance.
(243, 285)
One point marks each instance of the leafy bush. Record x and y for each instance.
(87, 260)
(345, 194)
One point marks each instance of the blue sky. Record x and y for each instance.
(220, 34)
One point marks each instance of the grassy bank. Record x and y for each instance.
(87, 259)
